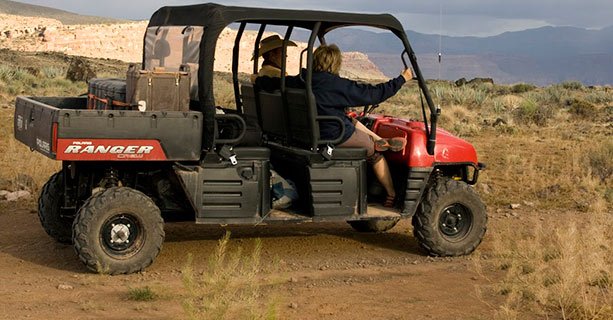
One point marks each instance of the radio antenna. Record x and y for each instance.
(440, 39)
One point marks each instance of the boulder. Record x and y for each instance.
(80, 70)
(481, 80)
(21, 194)
(460, 82)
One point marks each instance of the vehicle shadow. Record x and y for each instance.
(397, 239)
(27, 242)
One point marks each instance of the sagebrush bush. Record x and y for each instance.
(572, 85)
(522, 87)
(53, 72)
(599, 96)
(531, 112)
(554, 94)
(600, 159)
(581, 108)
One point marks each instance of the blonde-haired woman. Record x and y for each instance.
(333, 94)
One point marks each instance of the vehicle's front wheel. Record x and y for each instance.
(118, 231)
(451, 220)
(375, 225)
(49, 210)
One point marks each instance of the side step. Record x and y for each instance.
(375, 211)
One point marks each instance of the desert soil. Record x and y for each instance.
(326, 271)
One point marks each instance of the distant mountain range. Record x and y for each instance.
(541, 56)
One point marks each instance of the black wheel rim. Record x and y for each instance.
(455, 222)
(122, 235)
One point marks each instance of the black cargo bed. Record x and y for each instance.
(62, 128)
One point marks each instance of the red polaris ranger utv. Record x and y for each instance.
(163, 150)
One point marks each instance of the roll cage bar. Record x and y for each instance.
(214, 18)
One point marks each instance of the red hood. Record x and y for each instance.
(449, 148)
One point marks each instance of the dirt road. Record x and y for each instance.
(327, 271)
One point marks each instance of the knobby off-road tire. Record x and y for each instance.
(118, 231)
(379, 225)
(451, 220)
(49, 205)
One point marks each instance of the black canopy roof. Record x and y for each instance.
(214, 18)
(215, 15)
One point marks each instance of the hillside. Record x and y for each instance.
(30, 10)
(541, 56)
(124, 41)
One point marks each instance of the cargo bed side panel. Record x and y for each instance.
(106, 135)
(179, 133)
(33, 125)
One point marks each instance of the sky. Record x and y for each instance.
(459, 17)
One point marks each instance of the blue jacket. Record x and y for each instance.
(333, 94)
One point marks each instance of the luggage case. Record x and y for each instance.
(107, 94)
(158, 90)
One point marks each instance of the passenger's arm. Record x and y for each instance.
(357, 94)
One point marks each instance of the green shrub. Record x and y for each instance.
(53, 72)
(601, 160)
(522, 87)
(8, 73)
(141, 294)
(572, 85)
(581, 108)
(599, 96)
(531, 112)
(555, 94)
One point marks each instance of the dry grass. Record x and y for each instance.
(552, 154)
(18, 159)
(230, 288)
(142, 294)
(561, 269)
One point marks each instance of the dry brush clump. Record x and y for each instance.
(229, 288)
(552, 174)
(559, 269)
(18, 161)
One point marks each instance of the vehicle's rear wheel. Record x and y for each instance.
(118, 231)
(451, 220)
(377, 225)
(49, 210)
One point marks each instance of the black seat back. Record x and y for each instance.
(250, 107)
(294, 123)
(273, 114)
(304, 129)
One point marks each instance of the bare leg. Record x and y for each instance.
(363, 138)
(384, 176)
(361, 127)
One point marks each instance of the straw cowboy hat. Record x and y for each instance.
(271, 43)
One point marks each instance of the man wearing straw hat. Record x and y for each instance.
(271, 51)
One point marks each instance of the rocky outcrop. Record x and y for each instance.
(124, 41)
